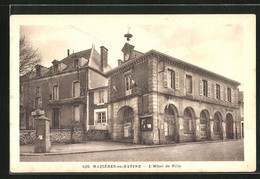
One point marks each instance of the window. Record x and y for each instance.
(188, 84)
(146, 124)
(55, 68)
(55, 118)
(76, 63)
(128, 80)
(171, 74)
(205, 87)
(55, 92)
(229, 94)
(101, 97)
(101, 117)
(217, 91)
(76, 89)
(76, 113)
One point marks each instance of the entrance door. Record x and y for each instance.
(229, 124)
(203, 125)
(169, 124)
(128, 119)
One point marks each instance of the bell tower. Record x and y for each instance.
(128, 48)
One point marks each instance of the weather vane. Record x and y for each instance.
(128, 35)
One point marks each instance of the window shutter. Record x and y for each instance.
(221, 92)
(96, 97)
(105, 96)
(225, 93)
(214, 90)
(169, 78)
(176, 80)
(165, 81)
(232, 96)
(209, 88)
(201, 87)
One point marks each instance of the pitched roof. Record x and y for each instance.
(177, 61)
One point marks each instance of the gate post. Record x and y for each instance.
(42, 125)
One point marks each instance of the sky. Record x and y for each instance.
(219, 43)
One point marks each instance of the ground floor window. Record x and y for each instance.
(101, 117)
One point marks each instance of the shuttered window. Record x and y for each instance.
(171, 79)
(101, 96)
(229, 94)
(217, 92)
(205, 87)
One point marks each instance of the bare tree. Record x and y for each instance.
(29, 57)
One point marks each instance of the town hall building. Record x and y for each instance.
(155, 98)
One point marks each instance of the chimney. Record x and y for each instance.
(68, 52)
(119, 61)
(103, 58)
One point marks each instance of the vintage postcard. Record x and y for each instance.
(132, 93)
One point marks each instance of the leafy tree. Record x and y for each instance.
(29, 57)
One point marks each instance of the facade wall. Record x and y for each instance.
(65, 102)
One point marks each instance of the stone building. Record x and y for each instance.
(65, 92)
(155, 98)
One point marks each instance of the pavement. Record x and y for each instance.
(96, 146)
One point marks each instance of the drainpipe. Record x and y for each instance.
(87, 99)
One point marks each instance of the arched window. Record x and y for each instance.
(55, 92)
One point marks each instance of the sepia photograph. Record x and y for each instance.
(132, 93)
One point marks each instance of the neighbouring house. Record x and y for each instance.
(65, 91)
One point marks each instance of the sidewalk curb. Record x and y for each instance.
(128, 148)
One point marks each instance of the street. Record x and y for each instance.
(232, 150)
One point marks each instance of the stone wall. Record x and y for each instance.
(56, 136)
(27, 137)
(97, 135)
(60, 136)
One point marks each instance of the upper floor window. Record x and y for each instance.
(171, 75)
(76, 89)
(188, 84)
(205, 87)
(218, 91)
(55, 68)
(55, 92)
(128, 80)
(76, 63)
(229, 94)
(101, 96)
